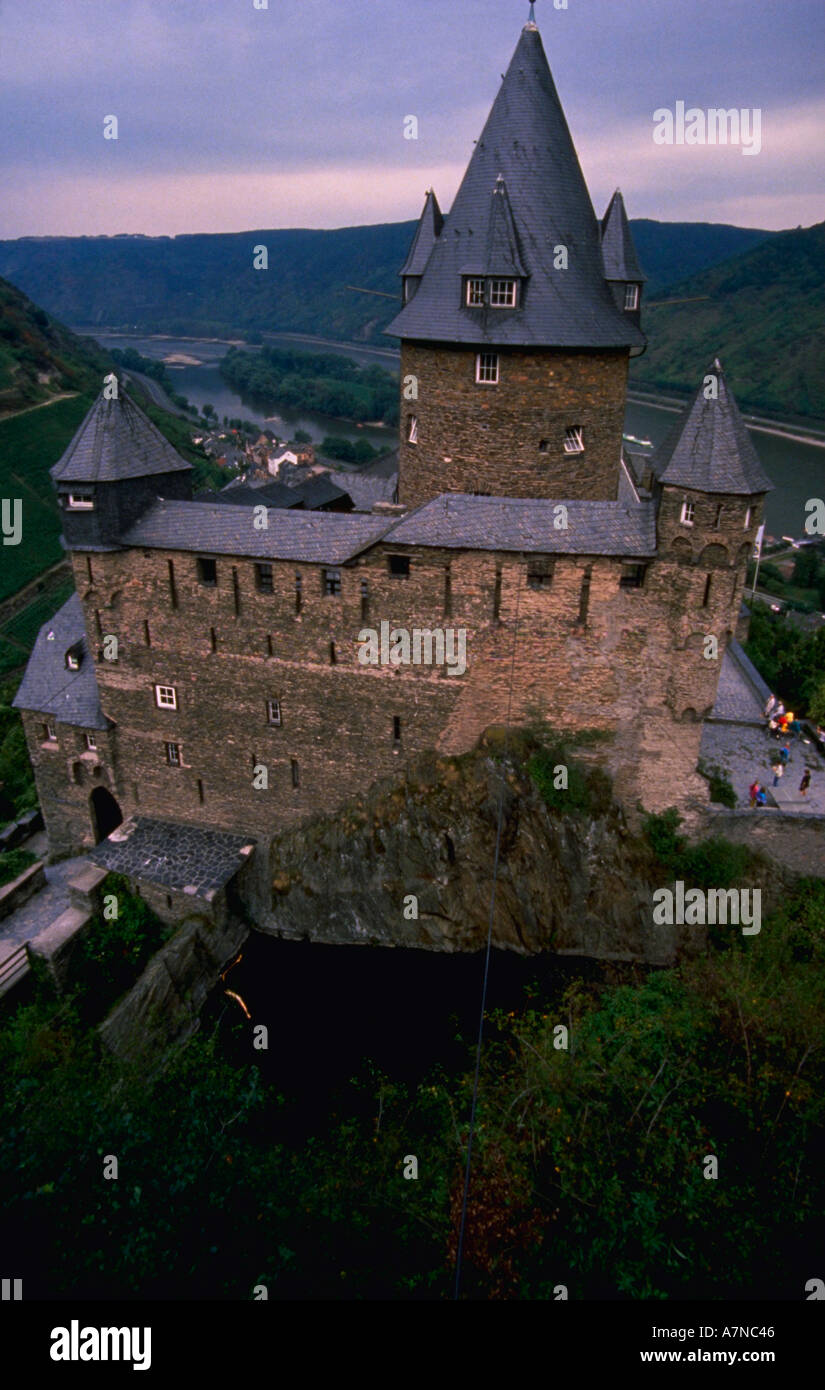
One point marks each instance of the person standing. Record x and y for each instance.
(753, 792)
(778, 769)
(806, 781)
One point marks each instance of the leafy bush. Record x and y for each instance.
(583, 790)
(713, 863)
(113, 952)
(13, 862)
(721, 789)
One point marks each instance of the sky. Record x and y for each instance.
(241, 114)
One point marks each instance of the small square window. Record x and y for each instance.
(82, 500)
(631, 297)
(399, 566)
(544, 444)
(273, 712)
(331, 582)
(166, 697)
(487, 368)
(503, 294)
(632, 577)
(475, 294)
(173, 754)
(263, 579)
(540, 574)
(412, 429)
(688, 513)
(207, 571)
(91, 743)
(574, 440)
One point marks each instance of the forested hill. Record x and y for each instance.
(206, 285)
(39, 358)
(763, 312)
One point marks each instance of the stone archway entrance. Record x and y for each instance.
(106, 814)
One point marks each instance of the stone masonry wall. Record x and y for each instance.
(508, 439)
(66, 773)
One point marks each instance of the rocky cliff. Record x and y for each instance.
(411, 864)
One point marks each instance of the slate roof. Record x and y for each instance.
(709, 448)
(312, 537)
(527, 142)
(426, 234)
(499, 252)
(48, 687)
(248, 495)
(116, 440)
(457, 520)
(366, 489)
(319, 491)
(618, 250)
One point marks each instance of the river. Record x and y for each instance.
(796, 468)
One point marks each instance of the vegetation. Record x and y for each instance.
(565, 785)
(329, 383)
(115, 950)
(13, 862)
(359, 451)
(713, 863)
(588, 1170)
(17, 790)
(132, 360)
(721, 788)
(791, 662)
(39, 358)
(761, 312)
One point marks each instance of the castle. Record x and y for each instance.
(208, 671)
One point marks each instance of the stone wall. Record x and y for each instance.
(794, 841)
(66, 773)
(508, 439)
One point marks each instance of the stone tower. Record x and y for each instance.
(521, 312)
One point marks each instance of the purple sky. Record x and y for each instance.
(232, 117)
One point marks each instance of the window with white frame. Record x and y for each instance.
(173, 754)
(51, 733)
(503, 294)
(475, 294)
(487, 370)
(688, 513)
(91, 743)
(82, 500)
(412, 429)
(273, 712)
(574, 440)
(73, 658)
(748, 515)
(166, 697)
(631, 296)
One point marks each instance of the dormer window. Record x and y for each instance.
(631, 297)
(475, 294)
(503, 294)
(81, 500)
(574, 440)
(73, 657)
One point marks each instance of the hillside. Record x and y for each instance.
(764, 315)
(39, 358)
(207, 286)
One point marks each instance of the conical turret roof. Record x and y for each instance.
(426, 235)
(527, 142)
(618, 250)
(116, 440)
(709, 448)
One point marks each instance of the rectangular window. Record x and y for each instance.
(475, 294)
(273, 712)
(298, 592)
(173, 592)
(147, 636)
(263, 579)
(83, 500)
(487, 373)
(166, 697)
(365, 600)
(497, 596)
(331, 582)
(213, 639)
(91, 743)
(448, 591)
(574, 440)
(706, 595)
(296, 774)
(748, 515)
(396, 729)
(201, 797)
(503, 294)
(632, 577)
(584, 596)
(688, 513)
(631, 296)
(399, 566)
(412, 429)
(173, 754)
(333, 659)
(540, 574)
(73, 660)
(207, 572)
(50, 733)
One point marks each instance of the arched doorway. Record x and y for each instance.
(106, 814)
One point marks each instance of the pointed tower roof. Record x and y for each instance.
(709, 448)
(498, 253)
(426, 235)
(527, 141)
(618, 250)
(116, 440)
